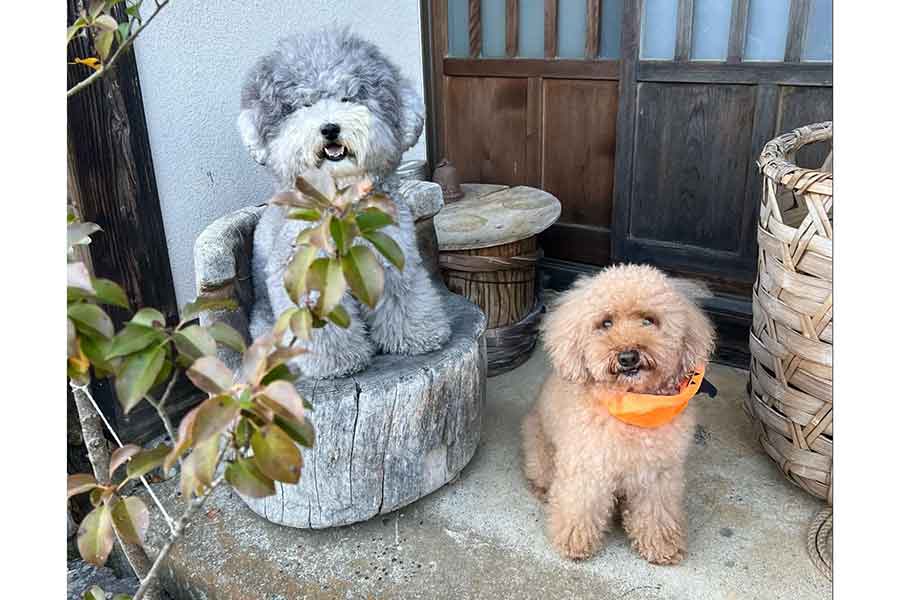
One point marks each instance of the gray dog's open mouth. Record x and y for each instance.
(334, 152)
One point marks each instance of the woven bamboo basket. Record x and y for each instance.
(791, 336)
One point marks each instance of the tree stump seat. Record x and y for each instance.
(384, 437)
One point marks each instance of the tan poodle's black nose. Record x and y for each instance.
(628, 359)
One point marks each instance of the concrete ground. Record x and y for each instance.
(482, 536)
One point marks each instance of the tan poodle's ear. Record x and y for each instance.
(699, 338)
(564, 336)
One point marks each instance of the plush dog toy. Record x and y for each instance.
(613, 421)
(332, 100)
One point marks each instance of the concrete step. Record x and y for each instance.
(483, 537)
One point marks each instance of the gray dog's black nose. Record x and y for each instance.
(330, 131)
(628, 359)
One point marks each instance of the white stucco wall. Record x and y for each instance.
(192, 60)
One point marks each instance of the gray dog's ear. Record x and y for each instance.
(248, 125)
(412, 114)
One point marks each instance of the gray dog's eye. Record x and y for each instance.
(345, 99)
(307, 104)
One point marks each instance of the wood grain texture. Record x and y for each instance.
(796, 36)
(803, 106)
(533, 67)
(551, 28)
(693, 154)
(534, 132)
(744, 73)
(506, 296)
(486, 128)
(592, 35)
(512, 28)
(737, 32)
(434, 32)
(684, 30)
(474, 28)
(579, 148)
(625, 122)
(764, 117)
(390, 435)
(113, 183)
(579, 243)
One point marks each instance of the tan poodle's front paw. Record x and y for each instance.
(662, 550)
(577, 540)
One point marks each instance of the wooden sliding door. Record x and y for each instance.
(710, 81)
(644, 117)
(525, 92)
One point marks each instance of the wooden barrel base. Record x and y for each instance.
(390, 435)
(510, 346)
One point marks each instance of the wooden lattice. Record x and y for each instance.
(791, 336)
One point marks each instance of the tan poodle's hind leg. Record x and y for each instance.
(653, 516)
(537, 456)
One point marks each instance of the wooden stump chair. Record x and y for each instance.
(384, 437)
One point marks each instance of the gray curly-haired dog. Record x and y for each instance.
(333, 100)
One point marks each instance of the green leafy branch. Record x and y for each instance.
(328, 260)
(106, 30)
(252, 420)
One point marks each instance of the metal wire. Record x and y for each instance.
(86, 391)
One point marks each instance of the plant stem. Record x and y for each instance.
(161, 407)
(180, 525)
(98, 454)
(96, 75)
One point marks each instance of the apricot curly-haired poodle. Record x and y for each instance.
(629, 328)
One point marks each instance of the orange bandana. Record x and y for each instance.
(649, 410)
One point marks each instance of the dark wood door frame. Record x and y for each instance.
(111, 181)
(766, 77)
(770, 85)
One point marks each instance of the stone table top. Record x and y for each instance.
(491, 215)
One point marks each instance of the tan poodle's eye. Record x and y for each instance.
(606, 323)
(648, 321)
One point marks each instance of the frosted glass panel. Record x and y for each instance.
(493, 28)
(767, 27)
(658, 30)
(818, 31)
(572, 28)
(531, 28)
(458, 23)
(712, 21)
(611, 28)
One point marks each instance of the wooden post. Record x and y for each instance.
(551, 27)
(474, 28)
(111, 182)
(592, 37)
(738, 31)
(512, 28)
(684, 30)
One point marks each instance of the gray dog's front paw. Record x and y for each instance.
(428, 340)
(336, 362)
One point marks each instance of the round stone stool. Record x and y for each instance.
(384, 437)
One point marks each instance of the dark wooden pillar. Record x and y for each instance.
(111, 182)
